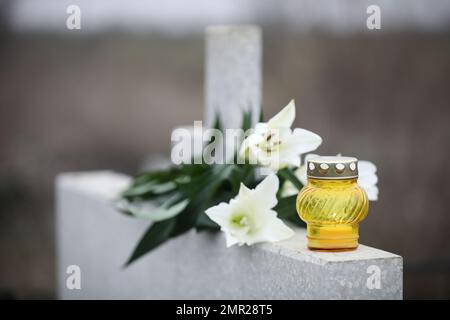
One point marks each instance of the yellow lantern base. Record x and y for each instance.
(332, 237)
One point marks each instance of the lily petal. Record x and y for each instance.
(244, 191)
(220, 213)
(367, 166)
(299, 142)
(231, 240)
(367, 179)
(248, 218)
(290, 160)
(303, 141)
(276, 230)
(372, 192)
(266, 192)
(285, 118)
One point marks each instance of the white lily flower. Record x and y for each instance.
(248, 218)
(288, 189)
(275, 145)
(367, 178)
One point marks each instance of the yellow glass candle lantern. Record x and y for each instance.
(332, 204)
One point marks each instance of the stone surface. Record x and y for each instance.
(92, 234)
(233, 78)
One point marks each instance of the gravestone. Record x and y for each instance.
(92, 234)
(233, 79)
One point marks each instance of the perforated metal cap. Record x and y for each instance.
(332, 168)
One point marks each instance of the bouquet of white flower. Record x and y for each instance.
(233, 197)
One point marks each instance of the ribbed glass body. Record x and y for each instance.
(332, 210)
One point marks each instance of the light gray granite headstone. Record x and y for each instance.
(233, 74)
(92, 234)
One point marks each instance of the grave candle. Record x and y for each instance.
(332, 204)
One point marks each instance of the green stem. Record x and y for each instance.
(287, 174)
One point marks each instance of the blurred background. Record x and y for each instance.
(107, 96)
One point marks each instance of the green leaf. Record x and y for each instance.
(242, 174)
(156, 212)
(205, 223)
(286, 206)
(203, 187)
(286, 210)
(297, 221)
(157, 175)
(201, 191)
(246, 121)
(158, 233)
(287, 174)
(218, 124)
(151, 187)
(261, 116)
